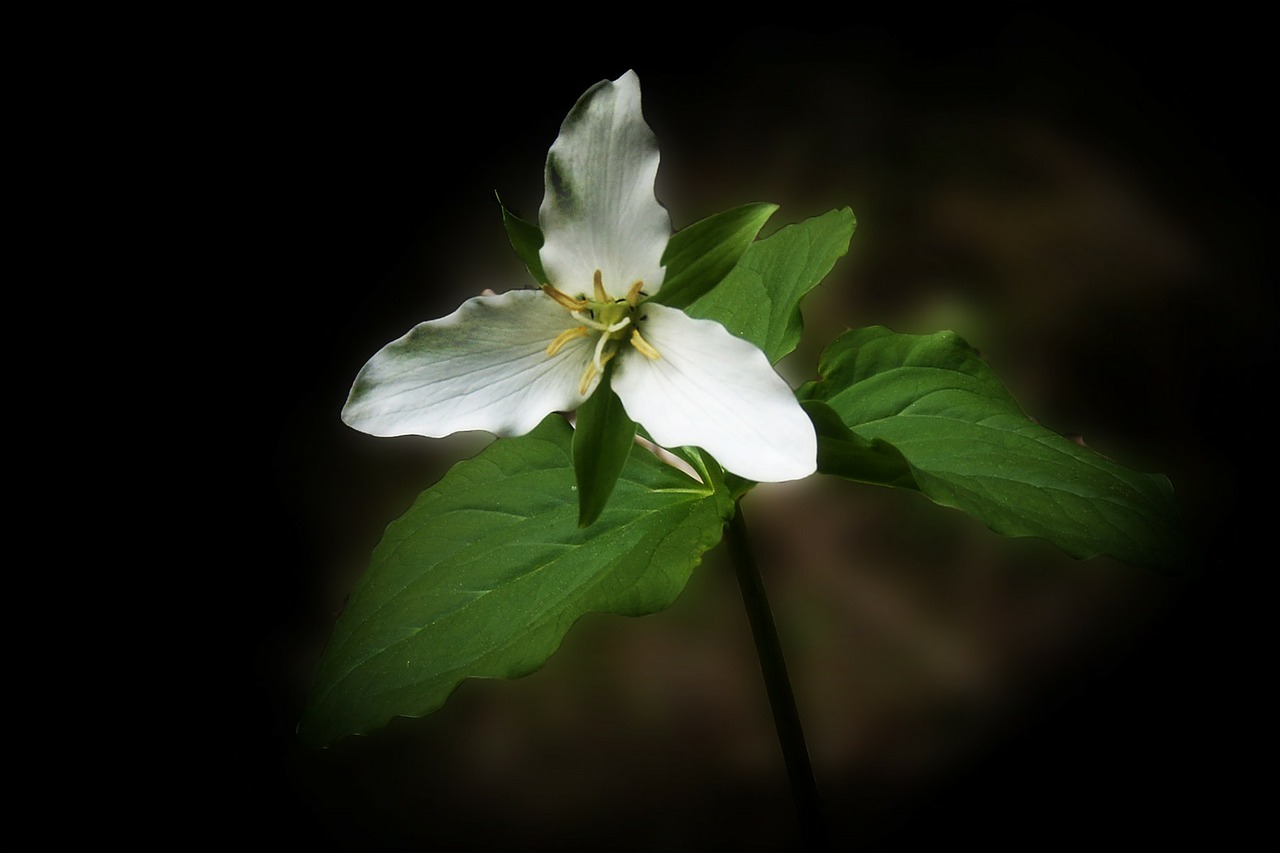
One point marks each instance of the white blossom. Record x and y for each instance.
(502, 363)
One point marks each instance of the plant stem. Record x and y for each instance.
(804, 790)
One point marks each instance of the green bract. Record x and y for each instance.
(925, 412)
(488, 570)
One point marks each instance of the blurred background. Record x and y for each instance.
(267, 193)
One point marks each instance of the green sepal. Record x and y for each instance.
(759, 301)
(602, 440)
(698, 257)
(526, 239)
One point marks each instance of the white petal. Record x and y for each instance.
(483, 367)
(599, 211)
(717, 392)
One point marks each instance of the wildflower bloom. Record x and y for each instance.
(502, 363)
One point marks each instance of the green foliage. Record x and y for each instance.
(526, 239)
(488, 570)
(967, 445)
(846, 454)
(759, 301)
(700, 256)
(602, 440)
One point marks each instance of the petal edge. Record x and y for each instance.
(718, 392)
(599, 210)
(483, 367)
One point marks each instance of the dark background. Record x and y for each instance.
(226, 208)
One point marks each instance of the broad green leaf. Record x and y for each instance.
(846, 454)
(526, 239)
(969, 446)
(487, 571)
(601, 443)
(700, 256)
(760, 300)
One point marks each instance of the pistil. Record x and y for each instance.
(607, 334)
(592, 370)
(609, 317)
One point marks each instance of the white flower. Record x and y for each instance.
(502, 363)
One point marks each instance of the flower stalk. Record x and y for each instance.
(782, 700)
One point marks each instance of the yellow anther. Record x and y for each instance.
(598, 281)
(646, 349)
(564, 338)
(587, 376)
(565, 301)
(593, 368)
(633, 295)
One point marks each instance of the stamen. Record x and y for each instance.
(646, 349)
(621, 324)
(564, 338)
(598, 281)
(633, 295)
(566, 301)
(587, 376)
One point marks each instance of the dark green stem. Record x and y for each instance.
(804, 790)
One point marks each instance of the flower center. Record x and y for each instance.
(612, 319)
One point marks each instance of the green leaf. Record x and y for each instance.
(700, 256)
(601, 443)
(488, 570)
(969, 446)
(526, 239)
(846, 454)
(760, 300)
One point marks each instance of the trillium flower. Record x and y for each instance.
(503, 363)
